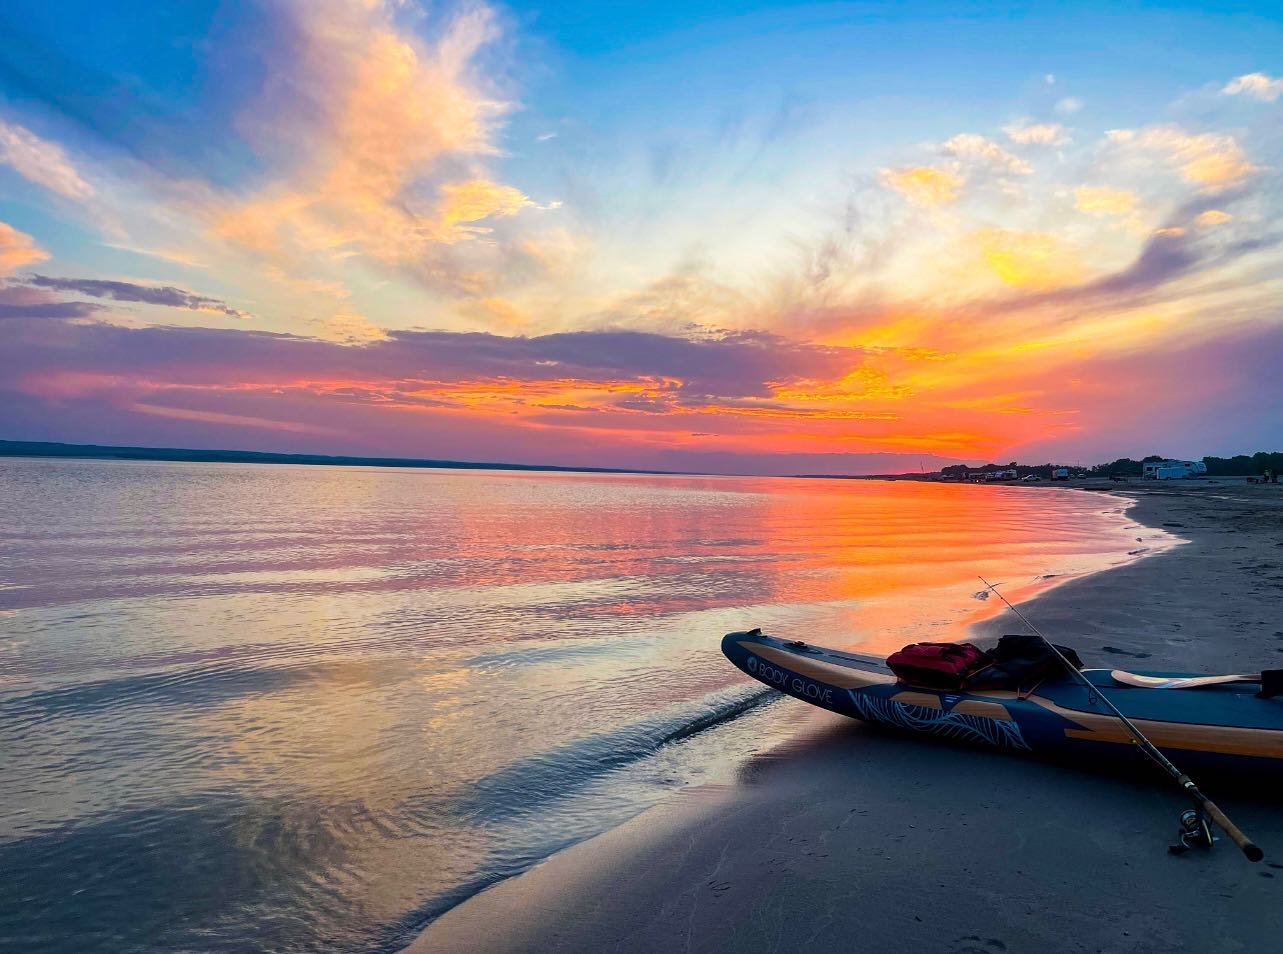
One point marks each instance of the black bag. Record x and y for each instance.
(1021, 662)
(1271, 684)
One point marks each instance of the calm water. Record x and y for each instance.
(305, 708)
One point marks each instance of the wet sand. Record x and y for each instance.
(853, 839)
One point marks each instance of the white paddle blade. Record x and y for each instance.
(1176, 682)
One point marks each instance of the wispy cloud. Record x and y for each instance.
(1256, 85)
(1181, 249)
(20, 302)
(1210, 218)
(42, 162)
(167, 296)
(47, 309)
(1102, 200)
(1211, 160)
(1038, 134)
(977, 149)
(1027, 259)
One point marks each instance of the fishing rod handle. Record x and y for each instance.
(1250, 849)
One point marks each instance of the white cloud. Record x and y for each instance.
(1257, 85)
(1038, 134)
(1069, 105)
(42, 162)
(972, 148)
(1211, 160)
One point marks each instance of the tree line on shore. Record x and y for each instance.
(1241, 465)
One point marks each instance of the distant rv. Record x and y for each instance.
(1060, 473)
(1173, 469)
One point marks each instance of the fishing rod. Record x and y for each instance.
(1201, 802)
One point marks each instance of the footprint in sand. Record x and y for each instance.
(1122, 652)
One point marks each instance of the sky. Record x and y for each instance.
(737, 237)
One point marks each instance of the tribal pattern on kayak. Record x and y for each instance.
(951, 725)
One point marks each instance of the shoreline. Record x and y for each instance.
(49, 450)
(995, 619)
(846, 832)
(1138, 613)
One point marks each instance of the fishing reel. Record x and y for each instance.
(1195, 832)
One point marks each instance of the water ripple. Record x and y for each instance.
(308, 709)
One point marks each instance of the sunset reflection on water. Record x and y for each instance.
(302, 708)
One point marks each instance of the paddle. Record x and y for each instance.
(1177, 682)
(1250, 850)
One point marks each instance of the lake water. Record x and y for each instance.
(309, 708)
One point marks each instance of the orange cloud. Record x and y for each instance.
(926, 186)
(18, 249)
(477, 199)
(350, 328)
(1212, 218)
(389, 118)
(1211, 160)
(1035, 260)
(1101, 200)
(494, 312)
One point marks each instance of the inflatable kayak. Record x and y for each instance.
(1217, 725)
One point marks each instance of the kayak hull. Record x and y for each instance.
(1225, 728)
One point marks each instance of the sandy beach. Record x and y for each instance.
(852, 839)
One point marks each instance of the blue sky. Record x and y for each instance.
(166, 82)
(897, 179)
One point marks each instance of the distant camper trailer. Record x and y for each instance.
(1060, 473)
(1173, 469)
(1001, 475)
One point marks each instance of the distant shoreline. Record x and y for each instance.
(53, 450)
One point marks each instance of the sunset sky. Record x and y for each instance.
(750, 237)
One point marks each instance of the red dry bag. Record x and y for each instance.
(938, 665)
